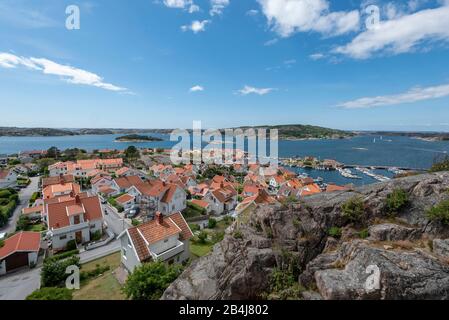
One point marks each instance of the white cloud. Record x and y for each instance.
(182, 4)
(252, 90)
(316, 56)
(194, 8)
(217, 6)
(400, 35)
(412, 95)
(252, 12)
(196, 26)
(67, 73)
(196, 88)
(289, 16)
(271, 42)
(289, 62)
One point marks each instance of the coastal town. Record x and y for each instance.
(133, 202)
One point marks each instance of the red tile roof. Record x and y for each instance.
(201, 203)
(37, 209)
(57, 180)
(59, 218)
(152, 232)
(127, 182)
(124, 198)
(21, 242)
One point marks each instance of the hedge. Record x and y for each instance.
(5, 193)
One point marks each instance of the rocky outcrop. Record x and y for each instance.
(296, 238)
(368, 272)
(441, 248)
(393, 232)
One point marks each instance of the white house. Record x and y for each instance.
(127, 201)
(8, 178)
(163, 239)
(160, 196)
(221, 200)
(74, 219)
(100, 182)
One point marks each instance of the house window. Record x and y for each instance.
(166, 240)
(63, 237)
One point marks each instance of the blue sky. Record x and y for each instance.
(163, 64)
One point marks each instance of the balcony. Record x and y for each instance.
(166, 255)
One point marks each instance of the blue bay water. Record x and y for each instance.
(361, 150)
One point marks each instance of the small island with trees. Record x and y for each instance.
(137, 138)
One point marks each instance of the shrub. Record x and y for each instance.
(95, 236)
(71, 245)
(53, 272)
(135, 222)
(85, 275)
(149, 281)
(238, 235)
(22, 223)
(194, 227)
(334, 232)
(34, 197)
(62, 255)
(281, 280)
(440, 164)
(353, 209)
(212, 223)
(439, 213)
(363, 234)
(51, 294)
(2, 243)
(202, 237)
(396, 201)
(197, 208)
(5, 193)
(218, 237)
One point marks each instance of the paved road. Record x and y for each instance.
(86, 256)
(24, 197)
(18, 285)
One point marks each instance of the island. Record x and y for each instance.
(137, 138)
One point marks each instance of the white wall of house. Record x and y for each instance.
(128, 255)
(164, 245)
(2, 267)
(32, 258)
(178, 203)
(216, 206)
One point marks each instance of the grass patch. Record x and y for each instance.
(200, 250)
(103, 287)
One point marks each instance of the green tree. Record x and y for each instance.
(53, 272)
(132, 153)
(51, 294)
(212, 223)
(22, 223)
(53, 152)
(149, 281)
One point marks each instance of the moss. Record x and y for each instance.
(334, 232)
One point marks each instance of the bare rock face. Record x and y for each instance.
(375, 273)
(441, 248)
(393, 232)
(240, 266)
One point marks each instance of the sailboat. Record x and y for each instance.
(374, 141)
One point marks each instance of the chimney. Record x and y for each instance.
(77, 199)
(61, 178)
(159, 218)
